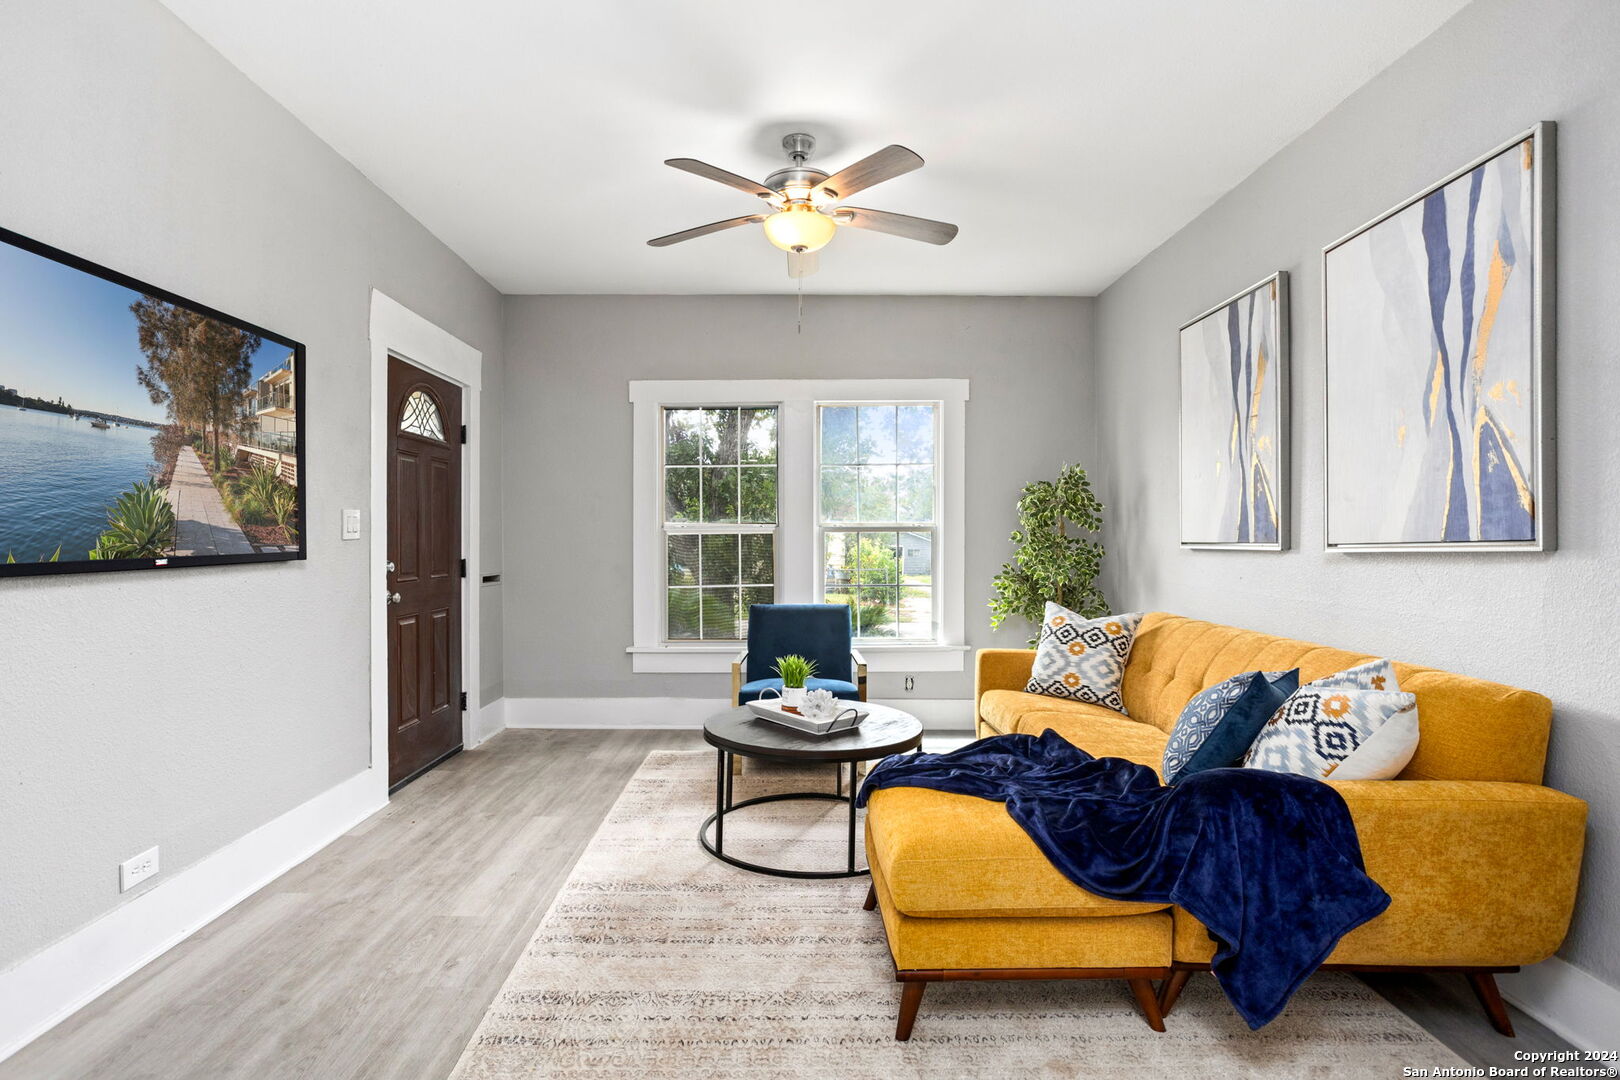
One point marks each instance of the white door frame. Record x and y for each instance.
(398, 331)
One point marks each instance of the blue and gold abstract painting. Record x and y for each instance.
(1233, 391)
(1432, 368)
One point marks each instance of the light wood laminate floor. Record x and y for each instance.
(378, 956)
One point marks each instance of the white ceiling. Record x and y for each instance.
(1067, 138)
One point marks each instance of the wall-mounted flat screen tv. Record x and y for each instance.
(139, 429)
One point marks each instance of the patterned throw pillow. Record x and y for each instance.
(1339, 731)
(1373, 675)
(1220, 723)
(1082, 660)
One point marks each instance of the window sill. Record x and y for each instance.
(880, 657)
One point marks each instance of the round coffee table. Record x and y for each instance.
(739, 732)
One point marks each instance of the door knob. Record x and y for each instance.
(390, 566)
(393, 598)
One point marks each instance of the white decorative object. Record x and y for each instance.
(793, 695)
(819, 705)
(846, 720)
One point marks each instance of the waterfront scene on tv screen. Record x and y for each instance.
(136, 428)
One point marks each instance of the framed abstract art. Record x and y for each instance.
(1234, 422)
(1438, 332)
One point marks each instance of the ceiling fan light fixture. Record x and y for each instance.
(799, 228)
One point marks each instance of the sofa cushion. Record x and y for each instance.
(1082, 659)
(751, 691)
(1002, 709)
(1101, 734)
(954, 856)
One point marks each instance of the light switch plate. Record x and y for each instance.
(351, 524)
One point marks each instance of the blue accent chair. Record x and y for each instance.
(819, 632)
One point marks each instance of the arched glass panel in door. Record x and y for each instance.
(420, 416)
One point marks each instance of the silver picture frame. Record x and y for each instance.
(1541, 139)
(1277, 282)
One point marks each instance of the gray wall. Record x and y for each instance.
(568, 469)
(1547, 622)
(187, 708)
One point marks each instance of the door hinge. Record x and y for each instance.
(463, 434)
(463, 567)
(464, 701)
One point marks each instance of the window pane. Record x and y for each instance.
(758, 439)
(838, 485)
(754, 596)
(680, 494)
(838, 435)
(682, 436)
(877, 493)
(420, 416)
(683, 614)
(720, 494)
(875, 609)
(720, 559)
(916, 558)
(915, 490)
(916, 612)
(720, 622)
(759, 494)
(758, 560)
(915, 442)
(877, 435)
(876, 561)
(682, 554)
(719, 436)
(838, 563)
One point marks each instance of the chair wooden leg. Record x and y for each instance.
(1484, 985)
(1145, 997)
(871, 898)
(910, 998)
(1171, 989)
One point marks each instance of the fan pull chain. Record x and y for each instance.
(801, 305)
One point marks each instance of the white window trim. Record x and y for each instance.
(797, 580)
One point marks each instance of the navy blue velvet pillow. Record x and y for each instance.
(1219, 724)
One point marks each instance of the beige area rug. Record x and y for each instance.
(658, 961)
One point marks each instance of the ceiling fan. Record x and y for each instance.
(806, 205)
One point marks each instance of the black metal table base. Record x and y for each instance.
(723, 805)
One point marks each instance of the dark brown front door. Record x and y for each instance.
(424, 574)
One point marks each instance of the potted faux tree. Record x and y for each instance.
(1057, 557)
(795, 670)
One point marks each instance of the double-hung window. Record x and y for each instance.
(719, 483)
(798, 491)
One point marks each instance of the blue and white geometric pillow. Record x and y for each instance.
(1218, 725)
(1082, 659)
(1373, 675)
(1339, 731)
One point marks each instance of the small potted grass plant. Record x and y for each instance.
(795, 670)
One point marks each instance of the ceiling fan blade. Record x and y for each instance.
(886, 164)
(705, 230)
(730, 179)
(801, 264)
(912, 228)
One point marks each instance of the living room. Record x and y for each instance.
(1093, 564)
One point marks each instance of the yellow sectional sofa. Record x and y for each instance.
(1481, 861)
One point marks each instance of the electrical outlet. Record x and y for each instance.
(351, 524)
(131, 872)
(911, 684)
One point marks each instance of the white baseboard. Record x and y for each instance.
(936, 714)
(486, 721)
(51, 985)
(1574, 1003)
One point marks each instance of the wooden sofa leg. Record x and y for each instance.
(871, 898)
(1149, 1001)
(910, 998)
(1171, 989)
(1484, 985)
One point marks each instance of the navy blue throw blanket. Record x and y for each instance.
(1268, 861)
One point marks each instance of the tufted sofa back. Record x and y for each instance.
(1470, 729)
